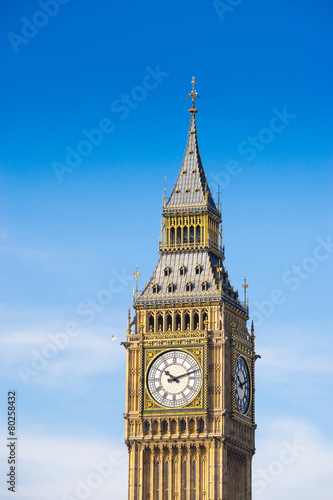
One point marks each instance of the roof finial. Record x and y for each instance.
(136, 274)
(245, 286)
(193, 95)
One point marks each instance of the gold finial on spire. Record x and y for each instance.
(193, 95)
(136, 274)
(245, 286)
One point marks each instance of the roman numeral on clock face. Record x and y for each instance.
(176, 378)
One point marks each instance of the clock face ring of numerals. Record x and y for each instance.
(242, 385)
(174, 379)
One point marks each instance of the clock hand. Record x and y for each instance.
(173, 379)
(243, 383)
(185, 374)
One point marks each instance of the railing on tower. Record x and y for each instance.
(192, 246)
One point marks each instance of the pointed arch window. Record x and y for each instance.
(204, 286)
(182, 270)
(172, 236)
(178, 321)
(166, 271)
(198, 234)
(187, 320)
(187, 286)
(191, 234)
(179, 235)
(196, 320)
(197, 269)
(185, 235)
(151, 323)
(155, 288)
(170, 287)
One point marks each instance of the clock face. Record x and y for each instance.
(174, 379)
(242, 385)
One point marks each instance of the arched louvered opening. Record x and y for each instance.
(198, 234)
(151, 323)
(196, 320)
(187, 321)
(179, 235)
(169, 322)
(172, 236)
(178, 321)
(185, 235)
(187, 286)
(160, 323)
(205, 318)
(191, 234)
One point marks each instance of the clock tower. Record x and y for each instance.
(190, 357)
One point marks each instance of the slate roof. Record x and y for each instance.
(208, 263)
(191, 191)
(191, 185)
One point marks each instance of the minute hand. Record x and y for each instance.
(187, 373)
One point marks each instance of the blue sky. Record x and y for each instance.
(74, 225)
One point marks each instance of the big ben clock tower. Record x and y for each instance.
(190, 357)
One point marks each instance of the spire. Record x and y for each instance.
(191, 189)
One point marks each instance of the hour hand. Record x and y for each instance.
(243, 383)
(173, 378)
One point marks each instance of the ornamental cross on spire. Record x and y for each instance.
(193, 95)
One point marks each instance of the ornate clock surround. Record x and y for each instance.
(150, 406)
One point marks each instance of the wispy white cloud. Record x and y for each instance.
(35, 356)
(54, 467)
(293, 460)
(293, 349)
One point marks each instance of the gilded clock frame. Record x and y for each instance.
(198, 405)
(249, 360)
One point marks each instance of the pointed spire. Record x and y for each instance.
(191, 190)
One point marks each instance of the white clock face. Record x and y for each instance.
(174, 379)
(242, 385)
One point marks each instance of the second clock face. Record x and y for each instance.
(174, 379)
(242, 385)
